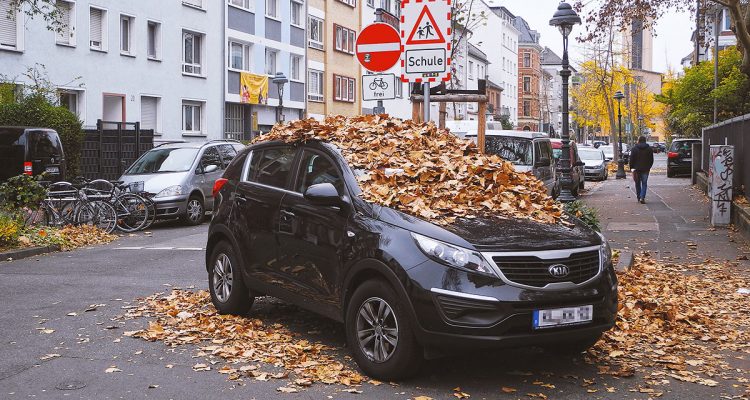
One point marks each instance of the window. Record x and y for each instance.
(69, 99)
(471, 69)
(154, 40)
(98, 29)
(315, 30)
(344, 39)
(192, 44)
(272, 166)
(239, 56)
(127, 44)
(9, 32)
(210, 157)
(296, 10)
(150, 113)
(344, 88)
(315, 85)
(386, 5)
(315, 169)
(193, 3)
(527, 84)
(272, 8)
(351, 3)
(526, 108)
(227, 154)
(246, 4)
(192, 114)
(527, 60)
(399, 88)
(371, 3)
(295, 62)
(271, 56)
(727, 21)
(67, 17)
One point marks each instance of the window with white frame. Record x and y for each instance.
(192, 117)
(344, 88)
(70, 99)
(272, 8)
(193, 3)
(127, 44)
(471, 69)
(351, 3)
(344, 39)
(150, 113)
(271, 58)
(67, 17)
(371, 3)
(154, 40)
(98, 29)
(297, 13)
(399, 88)
(315, 33)
(315, 85)
(192, 54)
(245, 4)
(9, 30)
(386, 5)
(295, 67)
(239, 56)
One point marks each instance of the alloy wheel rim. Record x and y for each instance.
(194, 210)
(377, 329)
(222, 278)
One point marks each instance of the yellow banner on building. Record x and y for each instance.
(253, 88)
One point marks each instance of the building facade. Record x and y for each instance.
(127, 61)
(710, 23)
(263, 38)
(476, 69)
(551, 92)
(529, 77)
(333, 72)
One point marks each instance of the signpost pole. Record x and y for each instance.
(426, 102)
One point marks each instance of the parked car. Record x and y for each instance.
(595, 164)
(609, 152)
(662, 147)
(527, 151)
(576, 170)
(680, 157)
(182, 176)
(291, 224)
(31, 151)
(598, 143)
(654, 147)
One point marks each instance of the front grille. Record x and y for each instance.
(533, 271)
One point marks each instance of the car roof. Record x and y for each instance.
(510, 133)
(193, 145)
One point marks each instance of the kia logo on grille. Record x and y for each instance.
(559, 270)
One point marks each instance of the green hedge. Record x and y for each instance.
(37, 112)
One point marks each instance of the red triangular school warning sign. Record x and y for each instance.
(426, 30)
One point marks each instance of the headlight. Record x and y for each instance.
(454, 256)
(175, 190)
(605, 252)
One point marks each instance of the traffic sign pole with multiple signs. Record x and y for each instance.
(378, 49)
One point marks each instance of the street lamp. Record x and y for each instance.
(565, 19)
(280, 80)
(620, 162)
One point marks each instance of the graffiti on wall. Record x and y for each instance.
(721, 173)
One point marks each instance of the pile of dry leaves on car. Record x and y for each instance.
(425, 171)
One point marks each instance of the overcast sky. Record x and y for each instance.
(671, 44)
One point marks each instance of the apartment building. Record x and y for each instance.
(529, 77)
(263, 38)
(127, 61)
(333, 72)
(712, 21)
(476, 69)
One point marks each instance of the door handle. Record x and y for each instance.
(241, 198)
(287, 214)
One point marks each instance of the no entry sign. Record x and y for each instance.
(378, 47)
(426, 31)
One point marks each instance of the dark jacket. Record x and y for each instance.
(642, 157)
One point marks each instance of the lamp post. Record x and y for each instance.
(620, 162)
(564, 19)
(280, 80)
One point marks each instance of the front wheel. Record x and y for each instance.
(99, 214)
(194, 211)
(380, 334)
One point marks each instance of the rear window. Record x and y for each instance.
(682, 146)
(9, 137)
(518, 151)
(43, 144)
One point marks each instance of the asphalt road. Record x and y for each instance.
(38, 294)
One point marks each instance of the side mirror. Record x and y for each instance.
(323, 194)
(542, 162)
(210, 168)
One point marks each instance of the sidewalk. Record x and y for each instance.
(673, 225)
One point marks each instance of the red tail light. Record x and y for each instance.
(27, 168)
(218, 185)
(672, 154)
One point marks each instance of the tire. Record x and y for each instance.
(393, 361)
(228, 292)
(97, 213)
(132, 211)
(195, 211)
(574, 347)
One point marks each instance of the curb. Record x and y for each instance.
(18, 254)
(625, 261)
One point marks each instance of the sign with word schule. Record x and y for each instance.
(426, 36)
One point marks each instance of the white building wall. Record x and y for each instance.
(131, 76)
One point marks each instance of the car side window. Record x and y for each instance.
(273, 166)
(538, 153)
(316, 168)
(227, 154)
(210, 157)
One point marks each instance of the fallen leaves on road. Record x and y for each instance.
(84, 235)
(238, 340)
(674, 321)
(425, 171)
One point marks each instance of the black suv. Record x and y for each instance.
(680, 157)
(291, 224)
(31, 151)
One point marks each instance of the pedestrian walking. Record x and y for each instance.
(641, 161)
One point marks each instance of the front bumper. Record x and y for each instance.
(170, 207)
(595, 173)
(454, 309)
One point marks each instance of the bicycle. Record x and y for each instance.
(132, 210)
(68, 204)
(378, 83)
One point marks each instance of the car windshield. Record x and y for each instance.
(587, 154)
(608, 150)
(163, 160)
(682, 146)
(518, 151)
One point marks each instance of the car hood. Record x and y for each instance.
(523, 168)
(593, 163)
(496, 234)
(155, 183)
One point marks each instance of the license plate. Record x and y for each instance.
(563, 316)
(53, 170)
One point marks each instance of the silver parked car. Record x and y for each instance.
(182, 175)
(595, 167)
